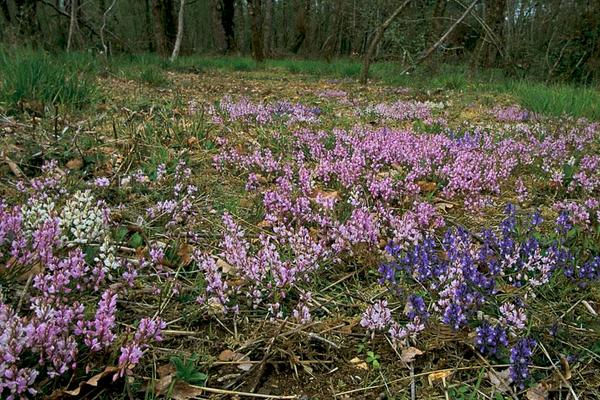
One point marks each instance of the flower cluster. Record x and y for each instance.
(245, 110)
(64, 242)
(511, 114)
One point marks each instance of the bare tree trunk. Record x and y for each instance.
(162, 12)
(255, 13)
(268, 28)
(441, 40)
(491, 41)
(5, 11)
(218, 32)
(26, 18)
(73, 23)
(436, 23)
(103, 27)
(376, 39)
(179, 31)
(301, 26)
(227, 20)
(148, 23)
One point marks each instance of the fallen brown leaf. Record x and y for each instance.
(408, 355)
(436, 376)
(75, 163)
(538, 392)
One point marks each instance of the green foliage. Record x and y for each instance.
(556, 100)
(187, 371)
(152, 76)
(36, 77)
(373, 359)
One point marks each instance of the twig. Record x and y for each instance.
(247, 394)
(23, 293)
(562, 377)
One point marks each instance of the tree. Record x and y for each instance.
(164, 25)
(26, 18)
(256, 28)
(491, 43)
(441, 40)
(227, 20)
(376, 39)
(73, 23)
(179, 30)
(268, 28)
(301, 26)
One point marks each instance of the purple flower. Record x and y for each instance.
(520, 358)
(376, 316)
(489, 339)
(513, 316)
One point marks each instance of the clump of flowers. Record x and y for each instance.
(245, 110)
(462, 276)
(511, 114)
(64, 242)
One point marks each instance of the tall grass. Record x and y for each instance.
(27, 76)
(556, 100)
(68, 78)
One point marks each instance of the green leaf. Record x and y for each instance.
(136, 240)
(375, 364)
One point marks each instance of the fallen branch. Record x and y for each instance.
(247, 394)
(376, 39)
(441, 40)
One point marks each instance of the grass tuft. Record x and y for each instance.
(34, 77)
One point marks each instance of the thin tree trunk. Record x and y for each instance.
(376, 39)
(216, 9)
(72, 24)
(227, 20)
(441, 40)
(491, 42)
(5, 10)
(179, 31)
(148, 23)
(163, 25)
(254, 11)
(301, 27)
(103, 27)
(268, 28)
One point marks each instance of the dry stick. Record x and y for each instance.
(562, 377)
(236, 393)
(441, 40)
(375, 42)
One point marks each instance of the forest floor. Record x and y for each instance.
(291, 295)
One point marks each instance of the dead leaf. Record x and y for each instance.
(408, 355)
(264, 224)
(359, 363)
(93, 382)
(500, 380)
(185, 253)
(225, 266)
(192, 140)
(229, 355)
(427, 186)
(538, 392)
(185, 391)
(75, 163)
(436, 376)
(444, 206)
(566, 368)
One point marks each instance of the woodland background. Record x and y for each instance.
(551, 40)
